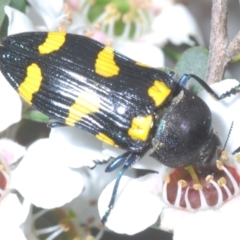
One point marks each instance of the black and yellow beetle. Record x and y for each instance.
(79, 82)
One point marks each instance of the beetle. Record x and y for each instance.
(79, 82)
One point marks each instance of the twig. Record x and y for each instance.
(221, 51)
(233, 48)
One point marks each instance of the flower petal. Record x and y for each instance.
(177, 30)
(219, 225)
(146, 162)
(135, 208)
(43, 177)
(80, 147)
(10, 151)
(11, 216)
(11, 211)
(224, 112)
(18, 22)
(10, 105)
(51, 12)
(159, 5)
(10, 233)
(142, 52)
(85, 205)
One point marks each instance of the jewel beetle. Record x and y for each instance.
(79, 82)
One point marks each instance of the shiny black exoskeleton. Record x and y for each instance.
(79, 82)
(185, 134)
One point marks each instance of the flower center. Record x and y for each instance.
(125, 18)
(201, 188)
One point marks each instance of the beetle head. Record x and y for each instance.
(184, 134)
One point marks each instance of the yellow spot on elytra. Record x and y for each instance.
(159, 91)
(105, 64)
(140, 127)
(31, 83)
(52, 43)
(104, 138)
(86, 103)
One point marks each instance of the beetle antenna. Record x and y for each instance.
(229, 133)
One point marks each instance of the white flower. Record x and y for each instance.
(148, 194)
(10, 105)
(44, 16)
(211, 224)
(12, 215)
(144, 25)
(10, 151)
(18, 22)
(175, 24)
(43, 176)
(155, 22)
(85, 205)
(54, 223)
(141, 52)
(48, 180)
(79, 147)
(50, 13)
(12, 212)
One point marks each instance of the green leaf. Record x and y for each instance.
(36, 116)
(170, 52)
(194, 61)
(19, 5)
(4, 27)
(3, 3)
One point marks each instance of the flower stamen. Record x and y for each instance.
(219, 193)
(205, 187)
(181, 184)
(222, 183)
(123, 19)
(204, 204)
(224, 156)
(197, 186)
(166, 180)
(232, 179)
(68, 13)
(188, 205)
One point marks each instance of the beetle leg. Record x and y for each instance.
(129, 158)
(52, 123)
(98, 162)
